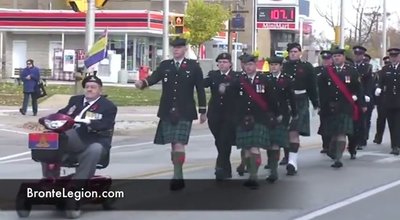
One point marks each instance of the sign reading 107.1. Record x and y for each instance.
(276, 14)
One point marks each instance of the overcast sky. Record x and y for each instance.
(320, 25)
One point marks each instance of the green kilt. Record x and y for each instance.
(338, 124)
(258, 137)
(302, 124)
(280, 134)
(168, 133)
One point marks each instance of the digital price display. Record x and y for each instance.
(279, 17)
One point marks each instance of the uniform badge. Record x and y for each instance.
(165, 79)
(329, 83)
(347, 79)
(71, 110)
(241, 93)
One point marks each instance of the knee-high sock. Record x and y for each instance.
(273, 158)
(253, 163)
(243, 158)
(178, 158)
(340, 147)
(332, 147)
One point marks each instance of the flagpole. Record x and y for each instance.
(165, 45)
(90, 25)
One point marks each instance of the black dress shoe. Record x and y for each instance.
(21, 111)
(291, 170)
(271, 179)
(266, 167)
(396, 151)
(221, 174)
(331, 155)
(241, 169)
(378, 141)
(177, 184)
(284, 161)
(360, 147)
(352, 156)
(324, 151)
(337, 164)
(252, 184)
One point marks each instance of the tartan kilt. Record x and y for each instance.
(302, 124)
(168, 133)
(280, 134)
(338, 124)
(258, 137)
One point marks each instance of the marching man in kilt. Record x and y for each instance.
(257, 111)
(177, 109)
(305, 88)
(339, 88)
(282, 87)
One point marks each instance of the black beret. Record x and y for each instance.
(290, 46)
(177, 42)
(385, 58)
(326, 54)
(224, 56)
(275, 60)
(338, 51)
(91, 78)
(248, 58)
(359, 49)
(394, 51)
(367, 56)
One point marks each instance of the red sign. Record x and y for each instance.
(307, 28)
(276, 25)
(276, 14)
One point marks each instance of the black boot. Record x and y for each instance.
(285, 159)
(176, 184)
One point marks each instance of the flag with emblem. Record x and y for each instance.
(43, 141)
(98, 51)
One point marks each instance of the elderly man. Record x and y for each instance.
(177, 109)
(92, 139)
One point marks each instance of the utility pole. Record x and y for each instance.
(384, 32)
(90, 25)
(230, 32)
(342, 24)
(165, 29)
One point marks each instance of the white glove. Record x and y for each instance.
(354, 98)
(279, 118)
(222, 88)
(84, 120)
(378, 91)
(367, 99)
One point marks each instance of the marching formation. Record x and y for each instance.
(257, 111)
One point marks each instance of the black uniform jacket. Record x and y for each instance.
(282, 87)
(389, 83)
(102, 114)
(332, 100)
(178, 88)
(367, 79)
(247, 106)
(305, 78)
(220, 106)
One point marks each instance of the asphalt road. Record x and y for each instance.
(365, 188)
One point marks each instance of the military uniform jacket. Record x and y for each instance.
(305, 78)
(220, 106)
(389, 83)
(102, 114)
(246, 106)
(378, 76)
(282, 87)
(178, 88)
(332, 100)
(367, 79)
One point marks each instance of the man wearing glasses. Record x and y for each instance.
(30, 77)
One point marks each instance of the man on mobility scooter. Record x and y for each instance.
(85, 144)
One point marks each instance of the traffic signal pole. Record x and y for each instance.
(165, 45)
(90, 25)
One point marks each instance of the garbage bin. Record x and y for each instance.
(123, 76)
(143, 72)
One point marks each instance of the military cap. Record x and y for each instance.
(338, 51)
(326, 54)
(367, 56)
(385, 58)
(359, 50)
(177, 42)
(224, 56)
(91, 78)
(290, 46)
(275, 59)
(248, 58)
(393, 51)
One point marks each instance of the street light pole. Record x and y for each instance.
(384, 32)
(301, 32)
(166, 29)
(90, 25)
(342, 24)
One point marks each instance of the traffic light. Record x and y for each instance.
(178, 23)
(100, 3)
(78, 5)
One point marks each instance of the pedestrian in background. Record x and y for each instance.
(30, 77)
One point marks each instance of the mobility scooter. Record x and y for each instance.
(49, 148)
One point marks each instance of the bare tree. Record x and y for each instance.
(328, 15)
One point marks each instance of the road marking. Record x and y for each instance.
(15, 160)
(348, 201)
(14, 155)
(14, 131)
(388, 160)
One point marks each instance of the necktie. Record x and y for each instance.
(177, 65)
(84, 106)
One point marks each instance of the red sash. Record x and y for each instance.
(257, 98)
(342, 87)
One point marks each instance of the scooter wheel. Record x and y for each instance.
(23, 207)
(72, 209)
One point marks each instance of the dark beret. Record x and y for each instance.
(338, 51)
(275, 59)
(224, 56)
(248, 58)
(385, 58)
(290, 46)
(91, 79)
(367, 56)
(326, 54)
(177, 42)
(394, 51)
(359, 49)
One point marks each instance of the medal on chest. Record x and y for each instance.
(347, 79)
(260, 88)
